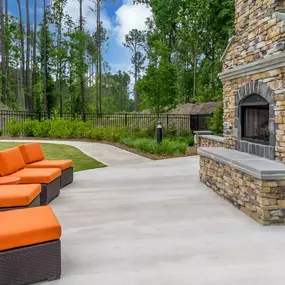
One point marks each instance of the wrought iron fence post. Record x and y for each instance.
(198, 122)
(167, 121)
(40, 116)
(84, 117)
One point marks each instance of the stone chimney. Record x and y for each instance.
(258, 32)
(254, 69)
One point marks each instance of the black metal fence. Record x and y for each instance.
(129, 120)
(199, 122)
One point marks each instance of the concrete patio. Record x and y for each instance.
(154, 223)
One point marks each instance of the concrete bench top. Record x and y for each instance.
(213, 138)
(261, 168)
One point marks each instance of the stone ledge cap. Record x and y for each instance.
(260, 168)
(267, 63)
(213, 138)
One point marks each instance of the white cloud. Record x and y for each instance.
(72, 8)
(129, 17)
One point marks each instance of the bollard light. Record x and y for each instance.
(159, 132)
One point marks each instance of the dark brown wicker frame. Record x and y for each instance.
(29, 264)
(35, 203)
(66, 177)
(50, 191)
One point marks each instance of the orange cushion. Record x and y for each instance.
(18, 195)
(31, 152)
(27, 227)
(62, 164)
(37, 175)
(11, 161)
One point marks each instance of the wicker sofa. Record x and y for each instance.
(19, 196)
(34, 158)
(30, 248)
(13, 164)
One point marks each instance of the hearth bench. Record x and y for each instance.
(13, 197)
(34, 158)
(12, 164)
(30, 248)
(255, 185)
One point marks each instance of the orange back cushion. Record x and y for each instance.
(31, 152)
(11, 161)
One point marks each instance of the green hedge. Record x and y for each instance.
(174, 142)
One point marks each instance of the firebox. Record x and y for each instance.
(255, 119)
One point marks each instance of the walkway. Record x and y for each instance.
(154, 223)
(107, 154)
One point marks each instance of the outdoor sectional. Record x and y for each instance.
(12, 164)
(30, 249)
(19, 196)
(35, 158)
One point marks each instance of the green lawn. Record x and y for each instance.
(81, 161)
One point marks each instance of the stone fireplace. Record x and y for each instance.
(244, 165)
(253, 80)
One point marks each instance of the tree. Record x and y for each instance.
(34, 56)
(3, 55)
(28, 46)
(158, 86)
(196, 33)
(135, 42)
(44, 41)
(58, 18)
(22, 48)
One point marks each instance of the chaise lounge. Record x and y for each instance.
(12, 164)
(34, 158)
(30, 249)
(14, 197)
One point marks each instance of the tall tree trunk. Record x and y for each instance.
(22, 48)
(136, 97)
(82, 62)
(6, 50)
(34, 55)
(60, 61)
(28, 106)
(45, 57)
(99, 58)
(3, 55)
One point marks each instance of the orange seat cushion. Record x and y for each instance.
(31, 152)
(28, 226)
(62, 164)
(18, 195)
(37, 175)
(11, 160)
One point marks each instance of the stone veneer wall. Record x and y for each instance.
(259, 199)
(258, 33)
(209, 141)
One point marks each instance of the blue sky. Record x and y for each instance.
(118, 18)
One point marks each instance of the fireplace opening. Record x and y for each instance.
(255, 119)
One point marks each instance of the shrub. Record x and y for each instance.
(174, 142)
(171, 131)
(14, 128)
(29, 127)
(1, 133)
(167, 146)
(61, 128)
(43, 129)
(215, 122)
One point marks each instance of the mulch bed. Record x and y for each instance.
(190, 150)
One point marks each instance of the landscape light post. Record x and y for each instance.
(159, 132)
